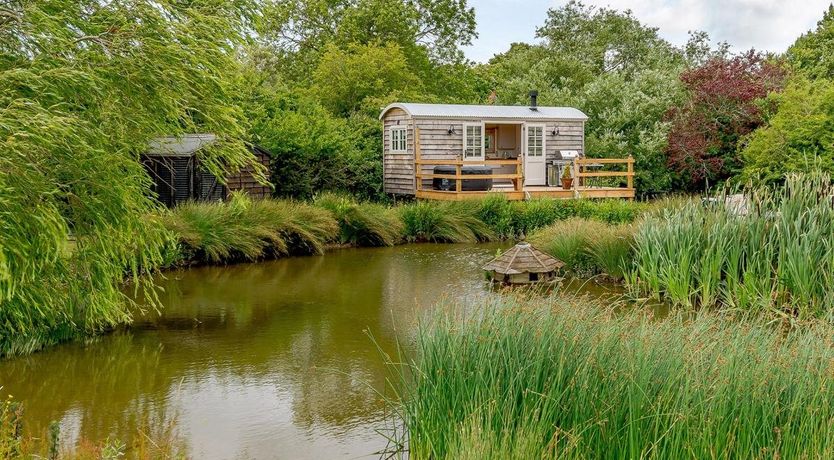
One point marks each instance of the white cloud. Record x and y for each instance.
(770, 25)
(767, 25)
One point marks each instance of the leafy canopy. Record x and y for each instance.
(84, 85)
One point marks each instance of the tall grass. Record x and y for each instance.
(445, 222)
(246, 229)
(587, 247)
(362, 224)
(567, 378)
(778, 257)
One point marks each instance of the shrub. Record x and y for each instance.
(362, 224)
(576, 380)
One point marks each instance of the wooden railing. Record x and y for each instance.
(581, 166)
(458, 176)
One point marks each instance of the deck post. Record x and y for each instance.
(458, 177)
(519, 180)
(630, 179)
(576, 177)
(418, 177)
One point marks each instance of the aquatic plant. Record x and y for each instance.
(362, 224)
(564, 377)
(445, 222)
(775, 253)
(246, 229)
(587, 246)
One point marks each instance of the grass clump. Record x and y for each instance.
(362, 224)
(246, 229)
(445, 222)
(567, 378)
(587, 247)
(774, 255)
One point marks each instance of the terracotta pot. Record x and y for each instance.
(567, 182)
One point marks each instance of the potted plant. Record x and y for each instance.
(567, 180)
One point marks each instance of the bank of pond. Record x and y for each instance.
(322, 354)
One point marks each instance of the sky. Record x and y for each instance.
(767, 25)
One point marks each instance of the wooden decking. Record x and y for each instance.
(587, 183)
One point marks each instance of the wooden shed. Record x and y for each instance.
(453, 151)
(174, 166)
(523, 264)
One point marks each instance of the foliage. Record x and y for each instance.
(797, 137)
(83, 87)
(445, 222)
(595, 41)
(345, 78)
(771, 254)
(427, 29)
(11, 428)
(577, 380)
(587, 247)
(811, 54)
(362, 224)
(313, 150)
(246, 229)
(721, 108)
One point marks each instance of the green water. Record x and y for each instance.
(268, 360)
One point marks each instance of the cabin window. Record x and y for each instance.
(473, 141)
(398, 140)
(535, 141)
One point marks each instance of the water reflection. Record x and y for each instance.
(266, 360)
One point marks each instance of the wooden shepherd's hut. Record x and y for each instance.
(523, 264)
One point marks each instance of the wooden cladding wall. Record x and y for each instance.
(398, 167)
(244, 180)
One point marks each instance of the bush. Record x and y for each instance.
(362, 224)
(576, 380)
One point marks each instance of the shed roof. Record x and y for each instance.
(523, 258)
(185, 145)
(518, 112)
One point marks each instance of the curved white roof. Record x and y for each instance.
(486, 111)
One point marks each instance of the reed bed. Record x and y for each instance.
(564, 377)
(588, 247)
(776, 254)
(362, 224)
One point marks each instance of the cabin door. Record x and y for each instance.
(534, 157)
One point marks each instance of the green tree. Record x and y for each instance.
(84, 85)
(344, 78)
(813, 53)
(798, 136)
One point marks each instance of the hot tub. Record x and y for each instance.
(472, 185)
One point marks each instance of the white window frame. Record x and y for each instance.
(467, 147)
(399, 139)
(543, 138)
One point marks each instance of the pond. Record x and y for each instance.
(266, 360)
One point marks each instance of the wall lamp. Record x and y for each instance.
(555, 131)
(451, 129)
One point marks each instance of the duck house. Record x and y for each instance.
(523, 264)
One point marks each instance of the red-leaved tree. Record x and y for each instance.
(722, 107)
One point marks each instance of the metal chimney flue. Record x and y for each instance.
(533, 100)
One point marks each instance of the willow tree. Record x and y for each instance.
(84, 85)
